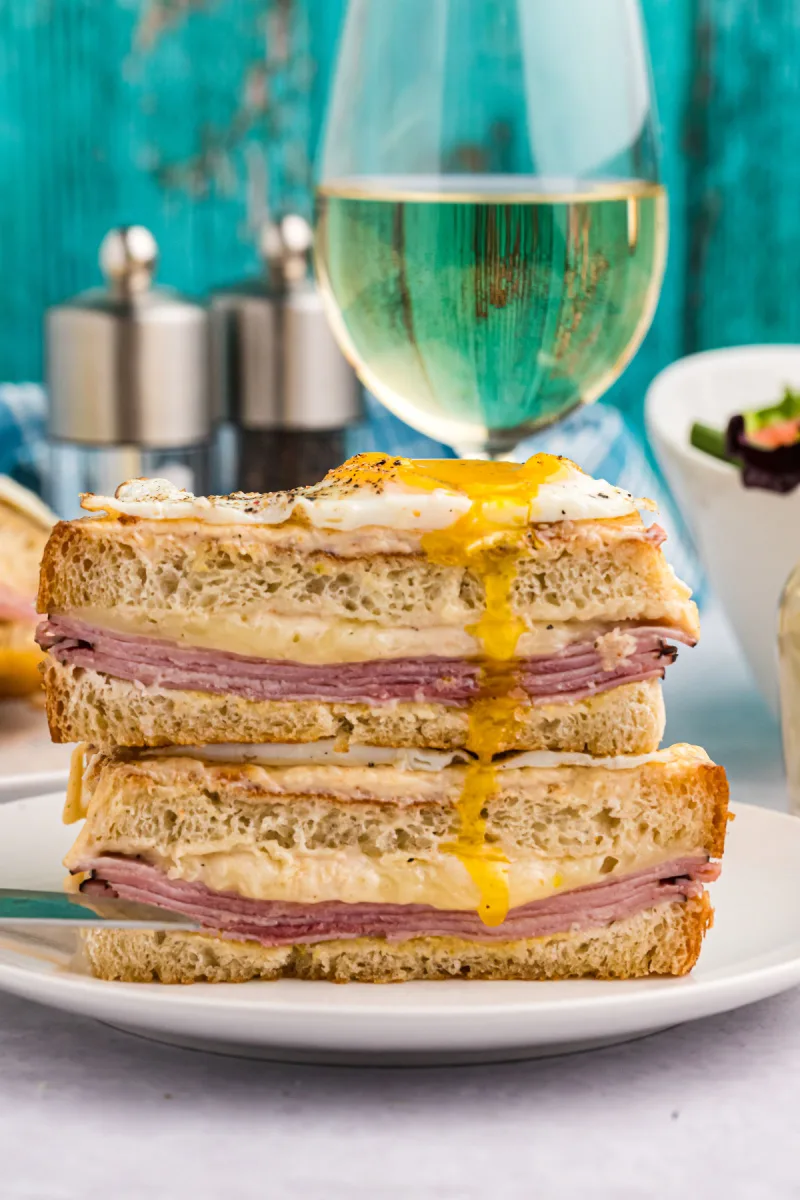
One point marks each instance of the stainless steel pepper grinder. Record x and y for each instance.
(128, 379)
(278, 373)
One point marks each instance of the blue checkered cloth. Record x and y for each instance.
(23, 446)
(598, 438)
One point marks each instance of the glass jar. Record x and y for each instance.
(101, 469)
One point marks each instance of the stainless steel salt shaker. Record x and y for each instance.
(127, 370)
(278, 373)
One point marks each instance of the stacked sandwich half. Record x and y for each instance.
(400, 725)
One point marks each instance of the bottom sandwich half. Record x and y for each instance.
(367, 865)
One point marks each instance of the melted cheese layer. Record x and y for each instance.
(441, 879)
(325, 753)
(317, 641)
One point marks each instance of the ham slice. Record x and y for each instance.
(561, 531)
(578, 671)
(14, 606)
(275, 923)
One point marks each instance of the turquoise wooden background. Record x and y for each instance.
(187, 114)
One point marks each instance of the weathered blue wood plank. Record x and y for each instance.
(183, 113)
(669, 26)
(325, 21)
(747, 212)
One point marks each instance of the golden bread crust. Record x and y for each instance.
(157, 806)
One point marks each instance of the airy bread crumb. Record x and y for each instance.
(181, 567)
(664, 940)
(86, 706)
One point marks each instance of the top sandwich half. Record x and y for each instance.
(392, 604)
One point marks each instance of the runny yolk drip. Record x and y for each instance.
(487, 539)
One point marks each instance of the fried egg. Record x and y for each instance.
(422, 495)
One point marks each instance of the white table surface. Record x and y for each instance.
(710, 1108)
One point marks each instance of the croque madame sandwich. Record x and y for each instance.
(25, 525)
(403, 724)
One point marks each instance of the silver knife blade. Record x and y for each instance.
(73, 908)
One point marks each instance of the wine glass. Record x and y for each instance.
(491, 231)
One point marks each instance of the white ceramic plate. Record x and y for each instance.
(29, 762)
(752, 952)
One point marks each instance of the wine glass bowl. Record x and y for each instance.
(491, 230)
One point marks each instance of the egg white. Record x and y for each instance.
(325, 753)
(572, 496)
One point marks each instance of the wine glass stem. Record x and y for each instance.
(482, 454)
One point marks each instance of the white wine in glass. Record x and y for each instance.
(491, 230)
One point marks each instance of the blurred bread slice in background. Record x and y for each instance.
(25, 524)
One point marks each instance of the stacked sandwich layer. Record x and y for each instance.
(403, 724)
(25, 524)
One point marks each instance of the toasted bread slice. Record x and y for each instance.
(87, 706)
(152, 571)
(664, 940)
(313, 832)
(24, 530)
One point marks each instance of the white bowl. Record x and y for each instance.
(749, 540)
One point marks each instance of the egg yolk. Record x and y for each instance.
(490, 550)
(515, 484)
(487, 540)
